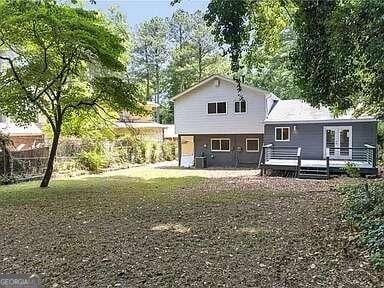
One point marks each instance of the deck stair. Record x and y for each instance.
(320, 173)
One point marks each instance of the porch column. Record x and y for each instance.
(179, 148)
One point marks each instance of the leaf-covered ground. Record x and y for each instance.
(166, 227)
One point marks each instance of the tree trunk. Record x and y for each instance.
(157, 93)
(51, 160)
(200, 61)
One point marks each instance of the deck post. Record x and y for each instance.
(298, 161)
(262, 171)
(327, 161)
(179, 149)
(374, 156)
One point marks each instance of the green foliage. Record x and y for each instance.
(94, 161)
(351, 169)
(172, 54)
(8, 179)
(380, 142)
(154, 155)
(169, 150)
(338, 59)
(228, 19)
(365, 209)
(60, 60)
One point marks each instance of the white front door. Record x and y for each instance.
(338, 137)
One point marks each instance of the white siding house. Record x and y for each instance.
(211, 118)
(191, 108)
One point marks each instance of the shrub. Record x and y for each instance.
(169, 150)
(153, 157)
(94, 161)
(6, 180)
(365, 210)
(140, 152)
(351, 169)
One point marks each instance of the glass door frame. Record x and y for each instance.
(337, 129)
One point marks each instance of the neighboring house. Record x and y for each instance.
(142, 126)
(23, 137)
(212, 121)
(169, 132)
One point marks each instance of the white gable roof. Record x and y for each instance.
(222, 78)
(300, 111)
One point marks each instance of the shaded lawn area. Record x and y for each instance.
(149, 227)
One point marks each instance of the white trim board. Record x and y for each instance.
(287, 122)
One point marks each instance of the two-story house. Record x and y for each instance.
(213, 121)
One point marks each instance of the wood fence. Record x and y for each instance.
(25, 162)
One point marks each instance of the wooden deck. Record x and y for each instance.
(316, 163)
(290, 159)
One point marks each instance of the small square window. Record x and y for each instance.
(252, 145)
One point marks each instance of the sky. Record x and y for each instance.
(138, 11)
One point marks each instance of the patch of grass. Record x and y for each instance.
(95, 188)
(365, 211)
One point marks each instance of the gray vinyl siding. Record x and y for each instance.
(232, 158)
(309, 136)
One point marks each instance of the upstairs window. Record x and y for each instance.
(240, 106)
(217, 108)
(282, 134)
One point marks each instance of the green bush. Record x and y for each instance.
(154, 156)
(140, 153)
(351, 169)
(365, 210)
(6, 180)
(169, 150)
(93, 161)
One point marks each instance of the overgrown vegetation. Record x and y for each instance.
(351, 170)
(365, 212)
(95, 157)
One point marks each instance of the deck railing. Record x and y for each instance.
(366, 154)
(285, 153)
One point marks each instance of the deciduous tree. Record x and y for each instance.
(60, 59)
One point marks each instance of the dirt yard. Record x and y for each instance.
(161, 226)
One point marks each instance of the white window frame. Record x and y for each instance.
(246, 144)
(229, 146)
(234, 107)
(226, 108)
(337, 141)
(289, 134)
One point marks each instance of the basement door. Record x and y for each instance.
(338, 139)
(187, 151)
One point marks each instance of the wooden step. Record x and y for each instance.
(313, 176)
(313, 171)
